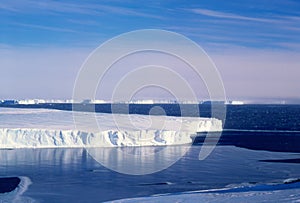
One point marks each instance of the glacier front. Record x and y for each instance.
(43, 128)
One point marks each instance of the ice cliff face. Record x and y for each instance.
(40, 138)
(28, 128)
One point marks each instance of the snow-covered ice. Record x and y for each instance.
(41, 128)
(256, 193)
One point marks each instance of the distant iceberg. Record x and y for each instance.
(235, 102)
(92, 101)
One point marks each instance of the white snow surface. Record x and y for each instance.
(44, 128)
(289, 195)
(287, 191)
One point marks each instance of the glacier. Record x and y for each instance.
(45, 128)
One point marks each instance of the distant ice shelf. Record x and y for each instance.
(99, 101)
(41, 128)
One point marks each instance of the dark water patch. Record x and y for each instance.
(8, 184)
(281, 141)
(290, 161)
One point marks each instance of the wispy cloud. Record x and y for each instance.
(266, 30)
(55, 7)
(274, 18)
(84, 22)
(226, 15)
(43, 27)
(4, 6)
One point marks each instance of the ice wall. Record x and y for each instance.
(30, 128)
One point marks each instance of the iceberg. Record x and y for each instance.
(44, 128)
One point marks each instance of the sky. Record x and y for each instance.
(255, 44)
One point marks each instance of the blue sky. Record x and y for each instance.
(38, 37)
(262, 24)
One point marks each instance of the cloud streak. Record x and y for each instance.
(42, 27)
(225, 15)
(280, 19)
(55, 7)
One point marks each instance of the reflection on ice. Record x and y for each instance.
(71, 174)
(41, 156)
(138, 160)
(130, 160)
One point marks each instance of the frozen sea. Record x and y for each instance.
(257, 159)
